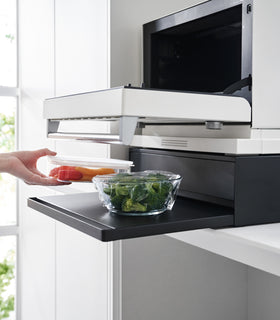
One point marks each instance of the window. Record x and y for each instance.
(8, 184)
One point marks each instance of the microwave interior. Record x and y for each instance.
(199, 55)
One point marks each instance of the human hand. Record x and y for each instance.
(23, 164)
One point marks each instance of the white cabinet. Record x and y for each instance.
(63, 48)
(37, 264)
(81, 275)
(165, 279)
(37, 233)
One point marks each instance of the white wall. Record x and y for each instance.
(81, 59)
(81, 45)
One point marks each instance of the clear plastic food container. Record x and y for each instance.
(138, 193)
(76, 169)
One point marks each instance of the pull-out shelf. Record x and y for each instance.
(216, 191)
(84, 212)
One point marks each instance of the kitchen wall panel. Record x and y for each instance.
(81, 46)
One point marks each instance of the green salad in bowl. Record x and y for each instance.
(138, 193)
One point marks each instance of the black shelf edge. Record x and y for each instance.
(80, 223)
(84, 212)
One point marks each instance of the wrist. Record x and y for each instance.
(5, 160)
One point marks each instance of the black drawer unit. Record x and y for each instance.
(216, 191)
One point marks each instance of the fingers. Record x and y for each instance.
(37, 180)
(44, 152)
(18, 169)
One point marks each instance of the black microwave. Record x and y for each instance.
(206, 48)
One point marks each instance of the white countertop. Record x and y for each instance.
(255, 246)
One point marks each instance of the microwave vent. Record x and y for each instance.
(174, 143)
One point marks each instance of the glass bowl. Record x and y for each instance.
(139, 193)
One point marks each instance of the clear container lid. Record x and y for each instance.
(90, 162)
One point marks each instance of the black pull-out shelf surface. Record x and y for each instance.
(84, 212)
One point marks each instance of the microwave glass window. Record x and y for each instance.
(203, 55)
